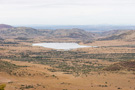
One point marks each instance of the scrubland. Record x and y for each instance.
(110, 66)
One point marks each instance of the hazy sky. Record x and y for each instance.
(67, 12)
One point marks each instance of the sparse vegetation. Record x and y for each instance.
(78, 69)
(127, 65)
(7, 67)
(72, 62)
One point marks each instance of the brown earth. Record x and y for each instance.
(42, 79)
(32, 76)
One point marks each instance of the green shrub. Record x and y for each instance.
(2, 86)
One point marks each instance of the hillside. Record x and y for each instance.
(7, 67)
(76, 34)
(125, 36)
(5, 26)
(112, 32)
(72, 33)
(18, 32)
(127, 65)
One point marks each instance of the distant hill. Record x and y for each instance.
(72, 33)
(112, 32)
(18, 32)
(122, 35)
(92, 28)
(23, 32)
(5, 26)
(7, 31)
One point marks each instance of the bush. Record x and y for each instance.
(2, 86)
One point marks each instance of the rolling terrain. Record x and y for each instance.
(110, 66)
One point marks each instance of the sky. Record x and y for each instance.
(67, 12)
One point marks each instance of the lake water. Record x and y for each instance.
(61, 46)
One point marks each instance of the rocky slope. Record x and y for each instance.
(125, 36)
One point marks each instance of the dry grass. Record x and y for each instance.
(39, 77)
(46, 80)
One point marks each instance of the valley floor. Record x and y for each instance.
(23, 67)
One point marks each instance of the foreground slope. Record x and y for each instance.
(37, 77)
(127, 65)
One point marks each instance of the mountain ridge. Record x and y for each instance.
(14, 32)
(7, 31)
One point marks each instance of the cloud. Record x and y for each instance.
(68, 2)
(67, 11)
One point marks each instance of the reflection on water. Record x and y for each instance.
(64, 46)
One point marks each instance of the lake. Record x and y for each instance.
(61, 46)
